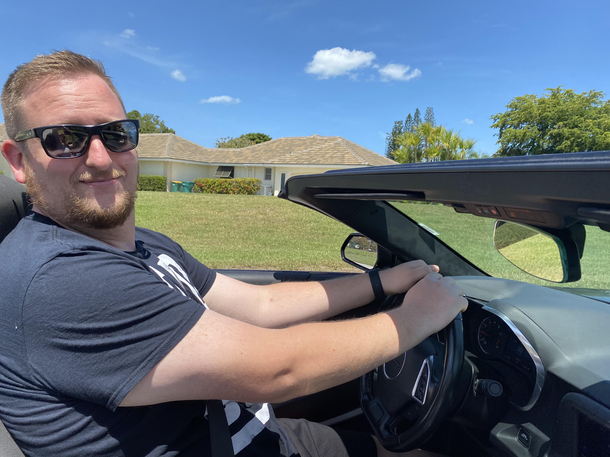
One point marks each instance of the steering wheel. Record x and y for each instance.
(407, 398)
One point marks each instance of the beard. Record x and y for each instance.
(79, 212)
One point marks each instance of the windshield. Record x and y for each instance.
(472, 238)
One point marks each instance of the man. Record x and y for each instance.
(113, 336)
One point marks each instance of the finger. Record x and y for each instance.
(434, 276)
(448, 281)
(463, 310)
(414, 264)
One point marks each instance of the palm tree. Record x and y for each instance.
(467, 149)
(450, 143)
(409, 143)
(427, 133)
(428, 143)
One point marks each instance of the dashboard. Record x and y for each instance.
(548, 350)
(498, 348)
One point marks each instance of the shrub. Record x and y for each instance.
(152, 182)
(238, 186)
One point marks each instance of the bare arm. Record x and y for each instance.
(279, 305)
(222, 357)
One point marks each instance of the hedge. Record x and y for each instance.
(152, 182)
(238, 186)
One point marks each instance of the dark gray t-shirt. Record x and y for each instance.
(81, 323)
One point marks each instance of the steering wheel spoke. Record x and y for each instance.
(407, 398)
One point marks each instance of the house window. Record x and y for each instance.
(224, 172)
(268, 174)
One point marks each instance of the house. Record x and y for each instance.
(273, 162)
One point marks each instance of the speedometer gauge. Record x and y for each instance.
(491, 335)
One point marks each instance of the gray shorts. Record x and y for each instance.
(315, 440)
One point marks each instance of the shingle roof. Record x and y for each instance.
(311, 150)
(300, 150)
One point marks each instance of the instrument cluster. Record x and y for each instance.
(501, 349)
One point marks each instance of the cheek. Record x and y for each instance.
(131, 165)
(125, 160)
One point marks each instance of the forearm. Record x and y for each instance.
(229, 359)
(342, 351)
(297, 302)
(290, 303)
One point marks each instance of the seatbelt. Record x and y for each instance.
(220, 436)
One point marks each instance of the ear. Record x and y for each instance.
(14, 156)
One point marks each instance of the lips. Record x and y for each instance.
(96, 177)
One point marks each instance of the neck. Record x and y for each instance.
(121, 237)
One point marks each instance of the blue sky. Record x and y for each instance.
(304, 67)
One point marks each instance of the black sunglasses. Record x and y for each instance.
(71, 141)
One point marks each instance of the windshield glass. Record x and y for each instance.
(472, 238)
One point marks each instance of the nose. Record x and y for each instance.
(97, 156)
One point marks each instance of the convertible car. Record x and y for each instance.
(525, 371)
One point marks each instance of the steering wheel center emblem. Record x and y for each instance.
(393, 368)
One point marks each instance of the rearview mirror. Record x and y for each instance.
(359, 251)
(538, 253)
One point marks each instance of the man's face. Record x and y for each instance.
(96, 190)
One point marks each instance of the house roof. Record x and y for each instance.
(311, 150)
(300, 150)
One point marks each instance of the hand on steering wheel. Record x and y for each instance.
(407, 398)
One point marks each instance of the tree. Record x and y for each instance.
(390, 139)
(408, 126)
(243, 141)
(257, 138)
(415, 141)
(149, 123)
(429, 117)
(416, 118)
(429, 143)
(559, 121)
(235, 143)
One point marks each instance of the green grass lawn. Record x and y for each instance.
(257, 232)
(245, 231)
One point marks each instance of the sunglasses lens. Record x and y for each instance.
(63, 142)
(69, 141)
(120, 136)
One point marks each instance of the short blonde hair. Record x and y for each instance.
(55, 66)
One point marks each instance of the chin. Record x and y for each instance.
(90, 215)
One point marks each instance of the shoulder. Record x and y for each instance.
(160, 243)
(150, 236)
(37, 240)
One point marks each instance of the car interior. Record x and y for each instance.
(525, 371)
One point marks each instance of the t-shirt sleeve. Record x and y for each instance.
(95, 324)
(202, 277)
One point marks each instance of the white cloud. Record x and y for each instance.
(330, 63)
(398, 72)
(221, 99)
(468, 121)
(127, 42)
(128, 33)
(178, 76)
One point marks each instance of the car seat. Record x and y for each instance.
(13, 204)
